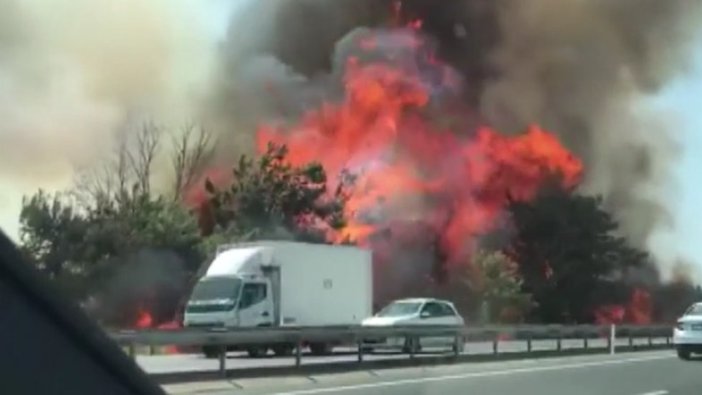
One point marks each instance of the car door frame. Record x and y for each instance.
(442, 319)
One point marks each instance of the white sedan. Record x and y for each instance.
(687, 335)
(418, 311)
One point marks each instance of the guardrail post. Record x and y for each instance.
(152, 350)
(558, 343)
(631, 340)
(298, 353)
(529, 342)
(585, 341)
(359, 344)
(611, 340)
(650, 338)
(495, 343)
(223, 361)
(132, 350)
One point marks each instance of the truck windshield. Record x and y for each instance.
(216, 288)
(399, 309)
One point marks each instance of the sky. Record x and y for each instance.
(679, 100)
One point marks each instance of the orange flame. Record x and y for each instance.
(638, 310)
(144, 319)
(407, 166)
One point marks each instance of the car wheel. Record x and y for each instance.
(412, 346)
(460, 347)
(283, 350)
(683, 353)
(368, 350)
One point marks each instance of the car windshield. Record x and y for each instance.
(216, 288)
(694, 310)
(399, 309)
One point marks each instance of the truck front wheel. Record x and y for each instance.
(320, 348)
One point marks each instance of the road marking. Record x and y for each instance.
(475, 375)
(661, 392)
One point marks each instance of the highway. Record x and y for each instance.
(640, 373)
(160, 364)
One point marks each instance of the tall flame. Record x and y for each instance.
(414, 158)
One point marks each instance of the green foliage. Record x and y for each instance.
(125, 250)
(83, 250)
(51, 232)
(271, 199)
(568, 253)
(497, 283)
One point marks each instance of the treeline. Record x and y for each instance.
(120, 248)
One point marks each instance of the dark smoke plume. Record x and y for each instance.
(150, 280)
(579, 68)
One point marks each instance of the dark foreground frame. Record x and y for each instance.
(49, 346)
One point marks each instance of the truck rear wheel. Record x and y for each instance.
(257, 352)
(283, 350)
(320, 348)
(211, 351)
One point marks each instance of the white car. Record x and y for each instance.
(687, 335)
(418, 311)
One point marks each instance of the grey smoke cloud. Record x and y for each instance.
(580, 68)
(73, 72)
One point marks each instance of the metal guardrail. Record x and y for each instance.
(357, 335)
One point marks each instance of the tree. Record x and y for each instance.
(147, 251)
(122, 254)
(569, 254)
(276, 200)
(129, 169)
(496, 281)
(131, 166)
(193, 150)
(51, 233)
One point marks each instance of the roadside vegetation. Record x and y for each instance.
(120, 245)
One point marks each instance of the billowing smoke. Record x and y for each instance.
(74, 72)
(580, 68)
(150, 280)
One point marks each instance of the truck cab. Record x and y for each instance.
(230, 301)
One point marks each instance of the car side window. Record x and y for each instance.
(447, 310)
(433, 309)
(252, 294)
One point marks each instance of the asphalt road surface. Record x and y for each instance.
(198, 363)
(641, 373)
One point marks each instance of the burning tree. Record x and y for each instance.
(114, 244)
(270, 199)
(569, 254)
(428, 183)
(495, 280)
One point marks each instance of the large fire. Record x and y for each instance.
(415, 157)
(427, 173)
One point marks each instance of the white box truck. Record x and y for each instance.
(279, 283)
